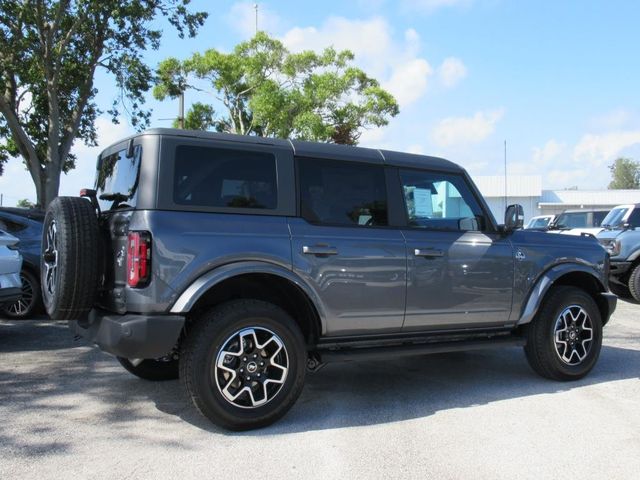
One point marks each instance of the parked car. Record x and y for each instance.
(621, 238)
(237, 263)
(26, 225)
(10, 263)
(577, 222)
(540, 222)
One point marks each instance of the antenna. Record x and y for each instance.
(255, 7)
(505, 175)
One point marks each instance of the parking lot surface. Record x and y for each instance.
(69, 411)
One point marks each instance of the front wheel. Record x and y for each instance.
(243, 364)
(565, 338)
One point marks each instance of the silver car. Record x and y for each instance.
(10, 265)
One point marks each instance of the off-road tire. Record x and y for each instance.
(207, 335)
(634, 283)
(540, 348)
(154, 370)
(76, 258)
(21, 310)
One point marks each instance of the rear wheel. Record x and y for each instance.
(152, 369)
(70, 262)
(634, 283)
(30, 301)
(565, 338)
(243, 364)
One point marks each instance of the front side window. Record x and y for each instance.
(218, 177)
(342, 193)
(439, 201)
(117, 179)
(614, 217)
(572, 220)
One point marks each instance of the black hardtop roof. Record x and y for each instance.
(315, 149)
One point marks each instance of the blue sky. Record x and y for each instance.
(558, 80)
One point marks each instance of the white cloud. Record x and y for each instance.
(600, 149)
(242, 17)
(395, 62)
(550, 151)
(430, 6)
(613, 120)
(465, 130)
(451, 72)
(16, 183)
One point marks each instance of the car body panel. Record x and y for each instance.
(10, 266)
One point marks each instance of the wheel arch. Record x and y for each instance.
(576, 275)
(260, 281)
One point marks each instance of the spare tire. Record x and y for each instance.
(70, 262)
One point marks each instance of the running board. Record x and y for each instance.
(373, 353)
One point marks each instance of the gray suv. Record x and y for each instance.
(240, 263)
(621, 238)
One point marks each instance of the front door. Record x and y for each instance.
(343, 248)
(458, 275)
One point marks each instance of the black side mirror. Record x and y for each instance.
(513, 217)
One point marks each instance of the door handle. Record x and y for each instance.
(428, 252)
(319, 250)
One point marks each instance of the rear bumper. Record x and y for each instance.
(131, 335)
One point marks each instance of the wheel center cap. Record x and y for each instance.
(252, 367)
(572, 335)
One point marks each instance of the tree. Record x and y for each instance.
(25, 203)
(49, 54)
(266, 90)
(625, 174)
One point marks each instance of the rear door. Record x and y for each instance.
(344, 247)
(460, 274)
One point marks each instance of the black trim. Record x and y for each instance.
(10, 295)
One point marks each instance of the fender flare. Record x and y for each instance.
(189, 297)
(546, 281)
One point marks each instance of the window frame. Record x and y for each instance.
(284, 176)
(394, 220)
(487, 219)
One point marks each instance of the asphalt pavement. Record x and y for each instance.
(69, 411)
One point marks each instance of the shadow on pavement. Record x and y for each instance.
(43, 372)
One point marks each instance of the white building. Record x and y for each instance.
(527, 191)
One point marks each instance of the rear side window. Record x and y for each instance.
(634, 218)
(598, 217)
(341, 193)
(117, 179)
(218, 177)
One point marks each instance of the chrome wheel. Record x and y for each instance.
(573, 335)
(21, 307)
(50, 259)
(251, 367)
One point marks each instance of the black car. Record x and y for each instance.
(26, 225)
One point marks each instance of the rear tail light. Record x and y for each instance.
(138, 259)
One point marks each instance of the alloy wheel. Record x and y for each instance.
(50, 257)
(23, 304)
(573, 335)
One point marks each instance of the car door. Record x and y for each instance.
(460, 275)
(344, 249)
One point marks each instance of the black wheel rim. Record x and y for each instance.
(23, 305)
(573, 334)
(50, 259)
(251, 367)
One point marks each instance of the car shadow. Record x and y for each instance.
(341, 395)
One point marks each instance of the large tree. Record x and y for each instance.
(264, 89)
(49, 54)
(625, 174)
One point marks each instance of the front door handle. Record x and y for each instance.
(428, 252)
(319, 250)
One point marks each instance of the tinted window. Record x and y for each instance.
(572, 220)
(598, 217)
(342, 193)
(217, 177)
(439, 201)
(614, 217)
(117, 179)
(634, 218)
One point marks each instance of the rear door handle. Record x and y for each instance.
(428, 252)
(319, 250)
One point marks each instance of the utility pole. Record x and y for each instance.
(181, 108)
(505, 175)
(255, 7)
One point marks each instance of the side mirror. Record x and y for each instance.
(513, 217)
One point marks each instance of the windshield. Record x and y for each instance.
(614, 218)
(541, 222)
(572, 220)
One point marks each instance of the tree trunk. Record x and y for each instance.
(48, 188)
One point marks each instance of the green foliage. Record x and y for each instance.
(625, 174)
(268, 91)
(199, 117)
(25, 203)
(49, 53)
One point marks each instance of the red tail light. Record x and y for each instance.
(138, 259)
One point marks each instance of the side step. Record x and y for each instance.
(372, 353)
